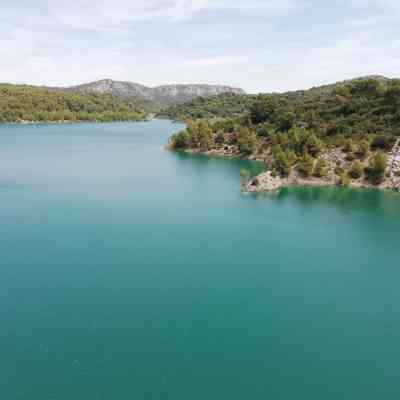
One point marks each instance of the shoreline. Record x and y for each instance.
(67, 121)
(265, 182)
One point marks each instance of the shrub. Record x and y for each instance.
(321, 169)
(356, 170)
(247, 141)
(180, 140)
(349, 146)
(382, 142)
(220, 138)
(306, 165)
(313, 145)
(363, 149)
(282, 164)
(377, 168)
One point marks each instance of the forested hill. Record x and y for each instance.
(341, 130)
(221, 106)
(354, 109)
(104, 100)
(19, 103)
(231, 104)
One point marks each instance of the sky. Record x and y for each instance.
(258, 45)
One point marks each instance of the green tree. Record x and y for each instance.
(179, 140)
(321, 168)
(349, 146)
(377, 168)
(313, 145)
(285, 121)
(247, 141)
(204, 135)
(356, 170)
(282, 164)
(382, 142)
(262, 110)
(220, 138)
(291, 156)
(306, 165)
(294, 136)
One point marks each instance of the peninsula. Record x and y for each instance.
(344, 134)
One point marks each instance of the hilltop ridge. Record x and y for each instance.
(159, 96)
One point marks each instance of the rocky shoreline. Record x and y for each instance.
(228, 151)
(266, 182)
(269, 182)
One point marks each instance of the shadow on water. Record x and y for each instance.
(345, 199)
(251, 168)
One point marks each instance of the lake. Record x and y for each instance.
(131, 272)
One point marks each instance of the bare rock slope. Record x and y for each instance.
(161, 96)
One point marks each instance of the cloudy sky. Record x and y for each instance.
(259, 45)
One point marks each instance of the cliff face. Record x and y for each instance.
(161, 96)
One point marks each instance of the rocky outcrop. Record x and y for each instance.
(267, 182)
(264, 182)
(161, 96)
(394, 166)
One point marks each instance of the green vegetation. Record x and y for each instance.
(321, 169)
(283, 164)
(306, 165)
(247, 141)
(221, 106)
(28, 103)
(377, 168)
(198, 135)
(352, 124)
(344, 180)
(356, 171)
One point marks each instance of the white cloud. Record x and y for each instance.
(214, 61)
(364, 53)
(122, 14)
(386, 5)
(261, 45)
(119, 14)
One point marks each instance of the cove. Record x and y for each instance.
(128, 271)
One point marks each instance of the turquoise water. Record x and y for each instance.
(129, 272)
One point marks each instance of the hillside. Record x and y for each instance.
(230, 104)
(219, 106)
(19, 103)
(157, 97)
(341, 133)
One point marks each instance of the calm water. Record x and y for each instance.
(129, 272)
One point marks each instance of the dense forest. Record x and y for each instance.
(20, 103)
(344, 130)
(220, 106)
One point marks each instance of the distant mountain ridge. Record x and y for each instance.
(160, 96)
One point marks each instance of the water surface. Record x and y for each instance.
(127, 271)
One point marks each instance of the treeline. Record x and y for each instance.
(360, 119)
(20, 103)
(220, 106)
